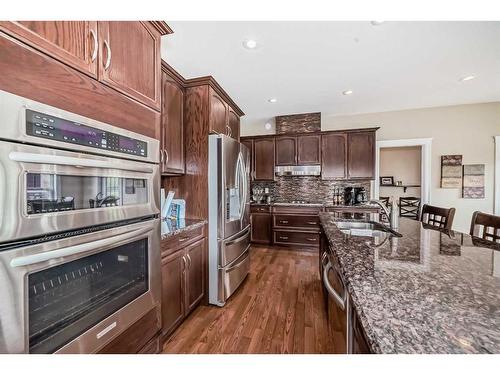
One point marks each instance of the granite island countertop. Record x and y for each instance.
(173, 227)
(428, 291)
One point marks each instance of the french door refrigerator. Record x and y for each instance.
(229, 216)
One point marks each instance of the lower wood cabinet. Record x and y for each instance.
(183, 281)
(138, 337)
(260, 219)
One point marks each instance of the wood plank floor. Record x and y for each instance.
(278, 309)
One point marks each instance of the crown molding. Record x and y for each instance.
(161, 27)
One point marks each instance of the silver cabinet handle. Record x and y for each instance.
(166, 156)
(189, 260)
(183, 239)
(161, 156)
(108, 58)
(96, 45)
(284, 221)
(184, 262)
(312, 239)
(323, 258)
(331, 291)
(312, 222)
(283, 238)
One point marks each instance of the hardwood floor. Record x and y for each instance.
(278, 309)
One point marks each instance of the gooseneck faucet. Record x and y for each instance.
(392, 214)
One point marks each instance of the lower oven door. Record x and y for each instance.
(75, 294)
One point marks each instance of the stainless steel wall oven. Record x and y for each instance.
(79, 229)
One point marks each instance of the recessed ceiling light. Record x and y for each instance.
(467, 78)
(376, 23)
(268, 126)
(250, 44)
(272, 100)
(347, 92)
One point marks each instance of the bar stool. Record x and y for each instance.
(485, 226)
(409, 207)
(437, 216)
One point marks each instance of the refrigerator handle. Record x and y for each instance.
(243, 196)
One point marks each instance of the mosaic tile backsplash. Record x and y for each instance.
(311, 188)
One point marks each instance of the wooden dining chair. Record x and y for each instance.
(437, 216)
(485, 226)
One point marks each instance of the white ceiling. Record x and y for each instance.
(307, 65)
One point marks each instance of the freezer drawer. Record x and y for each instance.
(234, 274)
(234, 247)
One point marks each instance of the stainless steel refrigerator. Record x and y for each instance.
(229, 216)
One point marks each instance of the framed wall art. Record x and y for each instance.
(451, 171)
(473, 181)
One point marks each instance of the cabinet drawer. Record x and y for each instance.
(178, 241)
(296, 238)
(260, 209)
(308, 221)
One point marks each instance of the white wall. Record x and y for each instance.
(464, 129)
(404, 164)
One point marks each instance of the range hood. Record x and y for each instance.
(297, 170)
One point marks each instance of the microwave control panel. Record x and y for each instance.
(54, 128)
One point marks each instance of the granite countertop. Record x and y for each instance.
(172, 227)
(325, 205)
(428, 291)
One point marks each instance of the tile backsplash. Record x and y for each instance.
(310, 188)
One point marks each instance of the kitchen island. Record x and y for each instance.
(428, 291)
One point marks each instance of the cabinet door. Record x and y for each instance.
(333, 156)
(233, 124)
(195, 275)
(172, 127)
(261, 228)
(263, 150)
(286, 150)
(218, 114)
(130, 60)
(361, 155)
(308, 149)
(72, 42)
(249, 144)
(173, 290)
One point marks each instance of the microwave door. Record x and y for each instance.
(232, 186)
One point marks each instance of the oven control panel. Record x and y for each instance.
(54, 128)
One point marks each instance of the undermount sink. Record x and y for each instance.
(365, 229)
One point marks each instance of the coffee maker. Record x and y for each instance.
(354, 195)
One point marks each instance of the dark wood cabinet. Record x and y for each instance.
(233, 124)
(195, 274)
(173, 284)
(334, 156)
(136, 337)
(309, 149)
(260, 219)
(183, 270)
(286, 150)
(172, 126)
(296, 226)
(130, 59)
(361, 155)
(72, 42)
(218, 113)
(359, 342)
(263, 149)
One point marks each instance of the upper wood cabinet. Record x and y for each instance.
(72, 42)
(125, 55)
(130, 59)
(263, 151)
(218, 113)
(334, 156)
(172, 126)
(286, 150)
(308, 149)
(361, 155)
(233, 123)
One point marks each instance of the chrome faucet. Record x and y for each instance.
(392, 214)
